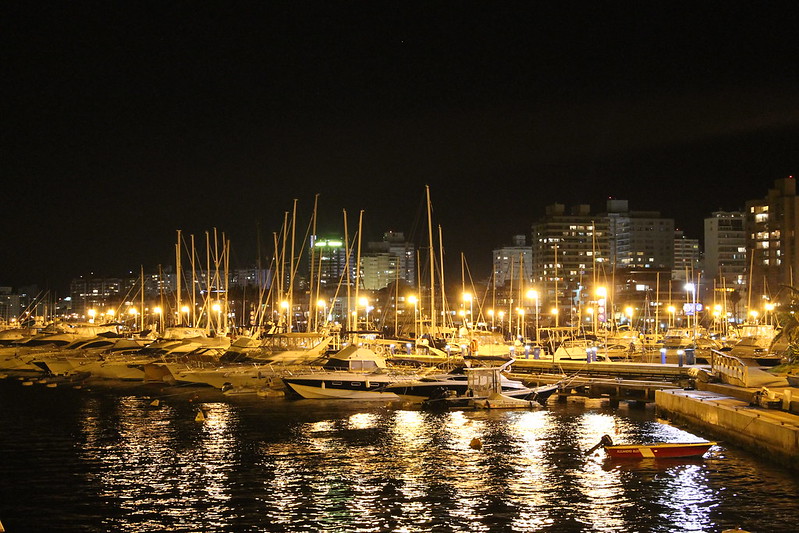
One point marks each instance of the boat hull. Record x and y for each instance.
(659, 450)
(349, 388)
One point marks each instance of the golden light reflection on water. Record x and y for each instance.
(375, 469)
(150, 475)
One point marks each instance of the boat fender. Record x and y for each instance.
(473, 346)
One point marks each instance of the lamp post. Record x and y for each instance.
(467, 297)
(601, 302)
(533, 295)
(158, 312)
(185, 309)
(524, 326)
(323, 305)
(491, 314)
(768, 316)
(218, 309)
(285, 306)
(365, 303)
(92, 313)
(672, 310)
(690, 288)
(414, 300)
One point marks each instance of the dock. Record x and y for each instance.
(770, 432)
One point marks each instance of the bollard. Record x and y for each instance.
(663, 357)
(679, 357)
(537, 352)
(526, 352)
(690, 358)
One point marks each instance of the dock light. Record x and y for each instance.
(629, 312)
(601, 292)
(92, 313)
(769, 307)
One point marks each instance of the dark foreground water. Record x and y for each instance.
(104, 459)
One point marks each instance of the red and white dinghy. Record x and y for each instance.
(655, 450)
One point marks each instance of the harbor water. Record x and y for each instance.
(105, 458)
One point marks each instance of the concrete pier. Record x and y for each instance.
(770, 433)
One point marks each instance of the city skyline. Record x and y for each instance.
(122, 126)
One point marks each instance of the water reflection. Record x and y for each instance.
(116, 463)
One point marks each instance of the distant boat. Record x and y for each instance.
(665, 450)
(354, 373)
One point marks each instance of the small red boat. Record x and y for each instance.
(654, 450)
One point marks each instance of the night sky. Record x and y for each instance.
(124, 122)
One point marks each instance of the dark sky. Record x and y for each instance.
(123, 122)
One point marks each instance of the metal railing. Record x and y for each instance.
(729, 368)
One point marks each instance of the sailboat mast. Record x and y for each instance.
(291, 266)
(177, 278)
(432, 263)
(347, 264)
(193, 286)
(142, 297)
(313, 316)
(358, 271)
(441, 269)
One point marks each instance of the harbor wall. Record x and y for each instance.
(769, 433)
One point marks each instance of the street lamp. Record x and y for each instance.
(629, 312)
(672, 310)
(769, 315)
(414, 300)
(521, 319)
(533, 295)
(467, 297)
(158, 312)
(132, 312)
(285, 306)
(91, 313)
(323, 305)
(365, 303)
(185, 309)
(218, 309)
(690, 289)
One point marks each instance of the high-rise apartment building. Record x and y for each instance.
(387, 261)
(725, 250)
(687, 257)
(513, 264)
(772, 227)
(639, 239)
(568, 248)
